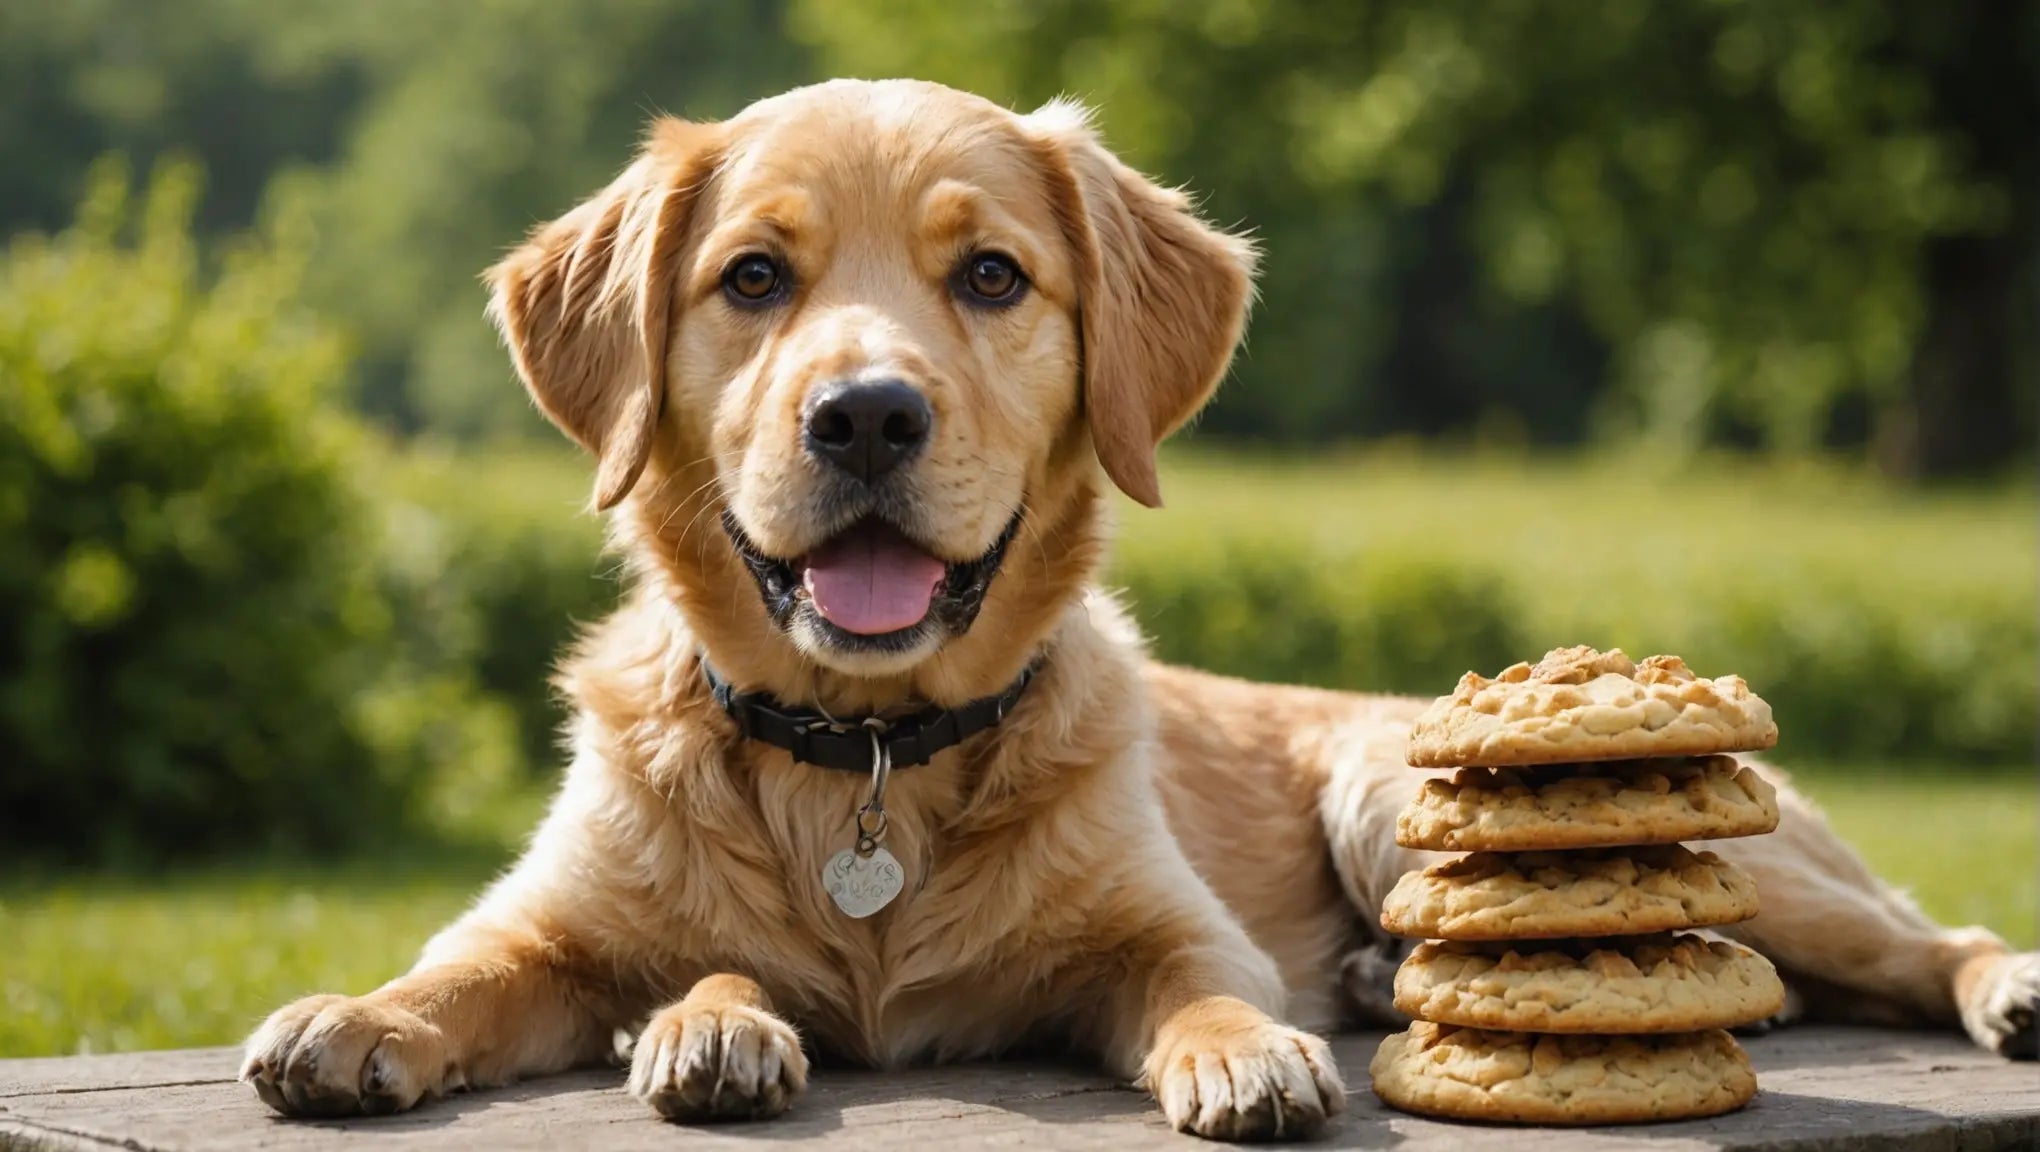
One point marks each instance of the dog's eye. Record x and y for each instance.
(990, 278)
(754, 279)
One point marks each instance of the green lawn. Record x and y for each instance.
(108, 965)
(1967, 846)
(1584, 526)
(1611, 549)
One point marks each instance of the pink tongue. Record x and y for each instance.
(870, 580)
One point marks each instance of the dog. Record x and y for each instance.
(866, 766)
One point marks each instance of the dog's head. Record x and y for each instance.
(859, 353)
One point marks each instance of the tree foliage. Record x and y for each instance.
(1699, 221)
(1793, 225)
(197, 641)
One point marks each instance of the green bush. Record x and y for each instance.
(200, 649)
(1268, 614)
(1854, 674)
(1848, 675)
(503, 562)
(1881, 624)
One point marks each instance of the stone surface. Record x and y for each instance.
(1822, 1089)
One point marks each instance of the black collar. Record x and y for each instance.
(845, 744)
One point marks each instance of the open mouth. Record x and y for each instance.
(871, 585)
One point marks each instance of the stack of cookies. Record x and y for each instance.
(1562, 981)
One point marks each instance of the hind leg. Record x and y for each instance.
(1368, 785)
(1367, 977)
(1859, 951)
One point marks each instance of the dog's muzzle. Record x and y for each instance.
(871, 586)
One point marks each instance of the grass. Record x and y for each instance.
(1966, 845)
(105, 965)
(1625, 512)
(114, 964)
(1607, 542)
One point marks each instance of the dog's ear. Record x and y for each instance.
(586, 303)
(1162, 297)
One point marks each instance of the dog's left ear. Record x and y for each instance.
(586, 303)
(1162, 297)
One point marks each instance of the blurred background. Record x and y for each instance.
(1692, 326)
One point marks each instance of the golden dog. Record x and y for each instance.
(855, 366)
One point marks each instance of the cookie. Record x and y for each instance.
(1579, 704)
(1660, 801)
(1469, 1074)
(1595, 892)
(1678, 983)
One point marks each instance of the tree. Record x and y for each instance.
(1700, 222)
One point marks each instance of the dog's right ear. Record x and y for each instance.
(586, 303)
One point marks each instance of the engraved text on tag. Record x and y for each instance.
(861, 886)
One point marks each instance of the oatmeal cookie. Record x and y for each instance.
(1468, 1074)
(1656, 801)
(1682, 983)
(1595, 892)
(1580, 704)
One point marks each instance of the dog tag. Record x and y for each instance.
(861, 885)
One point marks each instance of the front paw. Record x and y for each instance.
(2002, 1009)
(723, 1063)
(1256, 1080)
(339, 1056)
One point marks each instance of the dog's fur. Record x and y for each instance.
(1160, 870)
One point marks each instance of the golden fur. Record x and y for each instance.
(1157, 869)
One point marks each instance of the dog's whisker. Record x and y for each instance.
(701, 541)
(682, 503)
(659, 489)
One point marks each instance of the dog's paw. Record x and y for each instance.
(2002, 1009)
(1368, 975)
(727, 1063)
(1259, 1082)
(340, 1056)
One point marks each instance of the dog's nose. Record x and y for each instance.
(867, 427)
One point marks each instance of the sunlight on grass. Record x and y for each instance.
(1601, 539)
(98, 966)
(1597, 517)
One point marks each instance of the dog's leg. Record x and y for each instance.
(718, 1054)
(1368, 786)
(1192, 1020)
(1367, 973)
(1863, 952)
(485, 1009)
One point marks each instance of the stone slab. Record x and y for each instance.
(1823, 1090)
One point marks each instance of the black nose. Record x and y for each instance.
(867, 427)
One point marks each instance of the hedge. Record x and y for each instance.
(1926, 657)
(199, 642)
